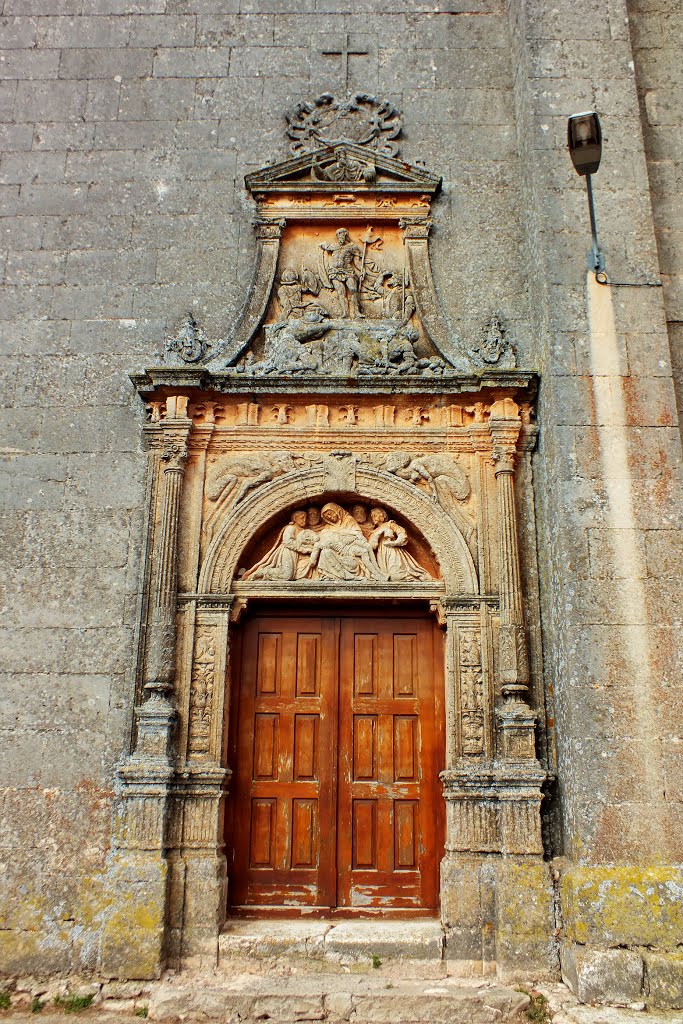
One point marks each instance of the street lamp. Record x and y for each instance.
(584, 139)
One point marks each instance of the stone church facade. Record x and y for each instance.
(341, 506)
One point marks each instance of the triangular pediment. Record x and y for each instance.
(347, 166)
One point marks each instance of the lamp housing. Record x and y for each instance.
(584, 139)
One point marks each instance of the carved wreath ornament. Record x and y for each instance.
(361, 119)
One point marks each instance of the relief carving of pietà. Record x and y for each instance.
(333, 544)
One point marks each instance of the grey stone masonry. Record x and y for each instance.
(126, 130)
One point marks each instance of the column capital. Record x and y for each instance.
(503, 459)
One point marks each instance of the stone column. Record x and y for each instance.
(516, 720)
(133, 939)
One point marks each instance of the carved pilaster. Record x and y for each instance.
(469, 704)
(146, 774)
(516, 720)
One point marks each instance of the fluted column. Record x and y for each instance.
(150, 766)
(161, 637)
(516, 720)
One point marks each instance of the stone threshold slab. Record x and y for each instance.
(414, 939)
(336, 998)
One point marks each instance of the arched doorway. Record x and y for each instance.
(337, 742)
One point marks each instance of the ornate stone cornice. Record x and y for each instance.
(157, 381)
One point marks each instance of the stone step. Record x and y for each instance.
(335, 998)
(334, 944)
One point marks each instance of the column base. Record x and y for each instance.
(497, 912)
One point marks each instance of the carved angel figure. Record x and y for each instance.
(251, 470)
(445, 480)
(341, 552)
(389, 539)
(286, 559)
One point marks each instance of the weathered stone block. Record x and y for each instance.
(524, 918)
(664, 980)
(148, 100)
(602, 976)
(622, 905)
(133, 917)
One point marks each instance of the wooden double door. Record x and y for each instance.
(339, 741)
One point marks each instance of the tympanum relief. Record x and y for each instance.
(342, 304)
(334, 543)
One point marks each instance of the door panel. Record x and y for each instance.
(339, 731)
(284, 786)
(388, 764)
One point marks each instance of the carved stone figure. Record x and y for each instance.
(494, 347)
(396, 295)
(343, 167)
(360, 514)
(399, 352)
(341, 551)
(296, 292)
(285, 559)
(388, 540)
(345, 271)
(286, 350)
(443, 478)
(360, 119)
(249, 471)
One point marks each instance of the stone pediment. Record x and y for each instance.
(351, 167)
(343, 284)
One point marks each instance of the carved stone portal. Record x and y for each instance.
(339, 442)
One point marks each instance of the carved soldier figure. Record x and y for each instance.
(400, 354)
(287, 351)
(290, 293)
(293, 289)
(343, 273)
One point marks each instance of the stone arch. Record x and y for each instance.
(253, 513)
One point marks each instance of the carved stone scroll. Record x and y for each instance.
(268, 232)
